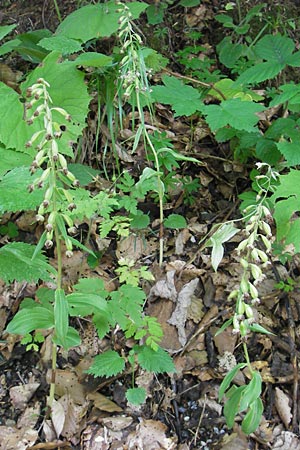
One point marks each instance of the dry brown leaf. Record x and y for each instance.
(225, 341)
(48, 430)
(73, 416)
(286, 440)
(20, 395)
(94, 438)
(283, 407)
(179, 315)
(165, 288)
(103, 403)
(13, 439)
(151, 435)
(58, 417)
(30, 416)
(66, 382)
(133, 247)
(117, 423)
(180, 241)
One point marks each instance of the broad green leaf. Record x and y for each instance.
(14, 195)
(230, 53)
(158, 361)
(235, 112)
(16, 263)
(185, 100)
(260, 72)
(99, 20)
(84, 304)
(228, 379)
(6, 29)
(289, 93)
(62, 44)
(28, 320)
(225, 86)
(107, 364)
(231, 407)
(139, 221)
(72, 339)
(189, 3)
(136, 396)
(274, 48)
(251, 392)
(9, 46)
(68, 91)
(252, 418)
(93, 59)
(91, 286)
(290, 150)
(10, 159)
(27, 45)
(61, 316)
(175, 221)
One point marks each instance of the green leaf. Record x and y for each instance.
(256, 328)
(235, 112)
(228, 379)
(107, 364)
(14, 195)
(93, 59)
(223, 234)
(231, 407)
(136, 396)
(251, 392)
(16, 263)
(62, 44)
(158, 361)
(290, 150)
(289, 93)
(27, 45)
(99, 20)
(84, 304)
(185, 100)
(91, 286)
(175, 221)
(139, 221)
(260, 72)
(252, 418)
(11, 159)
(28, 320)
(189, 3)
(6, 29)
(61, 316)
(229, 90)
(72, 339)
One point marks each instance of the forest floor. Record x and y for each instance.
(182, 410)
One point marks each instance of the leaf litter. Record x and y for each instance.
(182, 410)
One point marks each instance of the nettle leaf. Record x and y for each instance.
(290, 150)
(99, 20)
(235, 112)
(28, 320)
(14, 195)
(107, 364)
(62, 44)
(10, 159)
(158, 361)
(16, 263)
(68, 91)
(136, 396)
(185, 100)
(93, 59)
(277, 51)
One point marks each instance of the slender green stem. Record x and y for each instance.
(245, 348)
(57, 10)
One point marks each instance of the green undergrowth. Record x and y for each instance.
(246, 97)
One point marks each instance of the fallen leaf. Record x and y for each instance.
(20, 395)
(283, 407)
(103, 403)
(57, 417)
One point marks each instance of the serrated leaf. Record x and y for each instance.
(62, 44)
(99, 20)
(16, 263)
(136, 396)
(228, 379)
(175, 221)
(14, 195)
(185, 100)
(93, 59)
(235, 112)
(9, 159)
(158, 361)
(260, 72)
(290, 150)
(107, 364)
(252, 418)
(28, 320)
